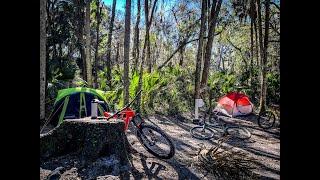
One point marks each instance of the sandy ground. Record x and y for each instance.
(263, 145)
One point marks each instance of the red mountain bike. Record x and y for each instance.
(153, 139)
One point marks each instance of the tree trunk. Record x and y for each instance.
(260, 32)
(257, 46)
(70, 50)
(222, 61)
(261, 48)
(263, 87)
(146, 17)
(148, 52)
(126, 52)
(213, 21)
(96, 62)
(148, 25)
(143, 56)
(109, 44)
(200, 49)
(136, 48)
(251, 51)
(43, 41)
(220, 57)
(181, 56)
(60, 55)
(83, 57)
(60, 50)
(117, 53)
(154, 53)
(79, 5)
(88, 45)
(141, 77)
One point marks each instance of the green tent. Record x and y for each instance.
(73, 103)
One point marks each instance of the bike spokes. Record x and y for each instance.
(155, 141)
(266, 119)
(238, 132)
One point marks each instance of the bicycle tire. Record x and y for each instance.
(237, 131)
(202, 135)
(142, 136)
(270, 119)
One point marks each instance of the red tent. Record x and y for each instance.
(234, 104)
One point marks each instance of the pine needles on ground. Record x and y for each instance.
(225, 164)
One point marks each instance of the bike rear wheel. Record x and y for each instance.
(203, 132)
(155, 141)
(239, 132)
(266, 119)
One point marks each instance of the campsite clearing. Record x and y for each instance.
(264, 146)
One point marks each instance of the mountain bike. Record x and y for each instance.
(211, 126)
(153, 139)
(266, 118)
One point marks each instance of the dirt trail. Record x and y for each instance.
(264, 146)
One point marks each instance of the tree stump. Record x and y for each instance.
(88, 138)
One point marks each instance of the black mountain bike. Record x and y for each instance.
(266, 119)
(212, 125)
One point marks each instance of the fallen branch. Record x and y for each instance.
(226, 164)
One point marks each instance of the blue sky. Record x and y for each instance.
(120, 4)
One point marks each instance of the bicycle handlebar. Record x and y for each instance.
(126, 106)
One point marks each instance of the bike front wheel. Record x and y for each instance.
(238, 132)
(155, 141)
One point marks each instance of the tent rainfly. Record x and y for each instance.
(234, 104)
(72, 103)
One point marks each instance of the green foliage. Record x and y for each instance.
(176, 91)
(221, 83)
(61, 69)
(168, 92)
(273, 88)
(79, 82)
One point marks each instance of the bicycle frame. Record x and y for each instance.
(126, 114)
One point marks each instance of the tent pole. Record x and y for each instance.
(65, 104)
(82, 101)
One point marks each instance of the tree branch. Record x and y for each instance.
(152, 11)
(237, 48)
(272, 3)
(276, 5)
(181, 46)
(274, 28)
(274, 40)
